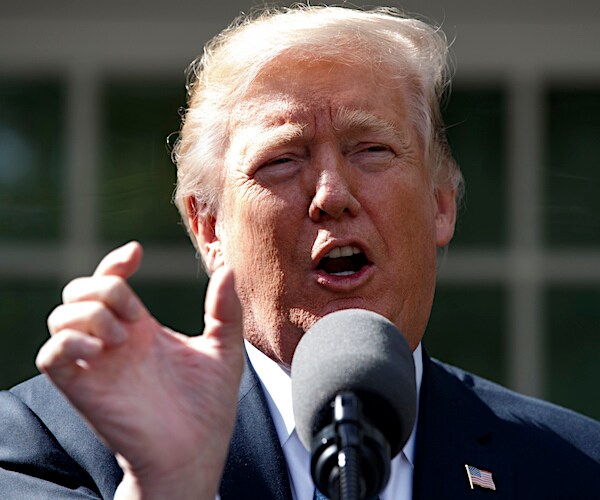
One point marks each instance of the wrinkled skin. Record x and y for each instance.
(129, 376)
(320, 158)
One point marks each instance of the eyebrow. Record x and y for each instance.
(347, 119)
(279, 134)
(265, 138)
(282, 134)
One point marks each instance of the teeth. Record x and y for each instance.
(345, 251)
(335, 253)
(343, 273)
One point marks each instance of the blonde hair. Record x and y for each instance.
(405, 48)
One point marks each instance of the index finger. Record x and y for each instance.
(122, 261)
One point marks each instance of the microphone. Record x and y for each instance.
(354, 400)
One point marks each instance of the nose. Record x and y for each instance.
(333, 194)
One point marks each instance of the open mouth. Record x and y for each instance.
(343, 261)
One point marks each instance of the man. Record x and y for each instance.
(313, 176)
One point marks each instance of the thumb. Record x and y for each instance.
(223, 311)
(123, 261)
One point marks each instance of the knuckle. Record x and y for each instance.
(42, 361)
(100, 316)
(116, 289)
(53, 320)
(70, 289)
(41, 364)
(50, 352)
(111, 290)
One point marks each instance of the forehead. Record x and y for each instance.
(306, 92)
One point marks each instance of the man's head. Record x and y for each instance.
(313, 133)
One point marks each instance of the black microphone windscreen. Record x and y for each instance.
(362, 352)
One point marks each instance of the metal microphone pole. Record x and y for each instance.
(350, 457)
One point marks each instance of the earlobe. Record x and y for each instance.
(204, 230)
(445, 219)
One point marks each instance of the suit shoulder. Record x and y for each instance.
(48, 404)
(51, 427)
(529, 419)
(35, 389)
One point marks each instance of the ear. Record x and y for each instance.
(445, 218)
(204, 228)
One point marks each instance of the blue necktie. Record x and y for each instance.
(319, 496)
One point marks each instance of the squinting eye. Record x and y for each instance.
(277, 161)
(376, 149)
(373, 157)
(278, 170)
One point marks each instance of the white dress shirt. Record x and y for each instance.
(277, 384)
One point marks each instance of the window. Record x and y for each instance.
(24, 307)
(572, 318)
(468, 329)
(137, 177)
(32, 154)
(572, 168)
(475, 122)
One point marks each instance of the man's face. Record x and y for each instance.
(327, 205)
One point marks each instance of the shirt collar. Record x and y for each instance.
(277, 385)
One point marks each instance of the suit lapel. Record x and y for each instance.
(456, 428)
(255, 466)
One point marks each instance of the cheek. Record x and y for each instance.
(409, 235)
(274, 213)
(410, 212)
(252, 228)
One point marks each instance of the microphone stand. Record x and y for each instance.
(350, 457)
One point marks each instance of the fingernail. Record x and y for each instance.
(133, 310)
(118, 334)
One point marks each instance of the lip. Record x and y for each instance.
(324, 248)
(342, 283)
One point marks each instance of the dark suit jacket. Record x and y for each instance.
(533, 449)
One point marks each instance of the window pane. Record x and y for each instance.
(572, 168)
(137, 176)
(573, 348)
(23, 312)
(467, 329)
(25, 307)
(178, 305)
(31, 159)
(475, 121)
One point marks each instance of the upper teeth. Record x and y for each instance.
(345, 251)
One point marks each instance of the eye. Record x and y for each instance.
(278, 169)
(376, 149)
(276, 161)
(373, 156)
(372, 149)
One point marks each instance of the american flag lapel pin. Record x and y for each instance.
(480, 477)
